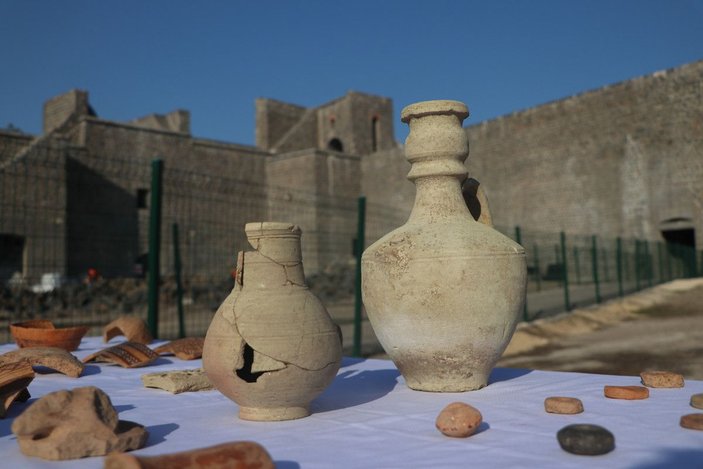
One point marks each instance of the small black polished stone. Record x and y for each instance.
(586, 439)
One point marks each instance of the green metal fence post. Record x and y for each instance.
(638, 263)
(594, 260)
(154, 246)
(538, 275)
(567, 303)
(618, 253)
(518, 239)
(606, 270)
(360, 242)
(577, 265)
(179, 285)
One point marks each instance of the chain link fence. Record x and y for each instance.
(74, 244)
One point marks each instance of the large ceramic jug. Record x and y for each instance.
(443, 292)
(272, 347)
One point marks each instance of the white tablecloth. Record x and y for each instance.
(369, 418)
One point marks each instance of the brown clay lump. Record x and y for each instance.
(458, 420)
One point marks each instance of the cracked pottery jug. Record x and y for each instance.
(443, 292)
(272, 347)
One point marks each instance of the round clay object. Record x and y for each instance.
(692, 421)
(626, 392)
(458, 420)
(586, 439)
(662, 379)
(697, 401)
(563, 405)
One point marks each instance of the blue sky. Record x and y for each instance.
(215, 58)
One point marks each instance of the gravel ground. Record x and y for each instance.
(656, 329)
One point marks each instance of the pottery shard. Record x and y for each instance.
(585, 439)
(189, 348)
(75, 424)
(14, 379)
(697, 401)
(132, 327)
(50, 357)
(239, 455)
(563, 405)
(626, 392)
(126, 354)
(662, 379)
(458, 420)
(178, 381)
(692, 421)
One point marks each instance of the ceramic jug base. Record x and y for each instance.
(271, 414)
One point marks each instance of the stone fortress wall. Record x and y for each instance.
(623, 160)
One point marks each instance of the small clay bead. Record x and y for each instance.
(697, 401)
(458, 420)
(563, 405)
(692, 421)
(661, 379)
(585, 439)
(626, 392)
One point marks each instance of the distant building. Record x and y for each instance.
(623, 160)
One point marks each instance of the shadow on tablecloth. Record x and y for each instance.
(353, 387)
(506, 374)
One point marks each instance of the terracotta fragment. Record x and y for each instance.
(459, 420)
(662, 379)
(626, 392)
(14, 379)
(75, 424)
(126, 354)
(189, 348)
(133, 328)
(235, 455)
(43, 333)
(697, 401)
(692, 421)
(178, 381)
(50, 357)
(563, 405)
(586, 439)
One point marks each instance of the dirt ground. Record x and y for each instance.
(656, 329)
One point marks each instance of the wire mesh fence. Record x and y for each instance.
(74, 244)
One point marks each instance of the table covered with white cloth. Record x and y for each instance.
(369, 418)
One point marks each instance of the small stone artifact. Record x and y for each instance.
(585, 439)
(178, 381)
(189, 348)
(14, 379)
(272, 347)
(443, 292)
(697, 401)
(458, 420)
(563, 405)
(50, 357)
(626, 392)
(133, 328)
(126, 354)
(692, 421)
(235, 455)
(662, 379)
(43, 333)
(75, 424)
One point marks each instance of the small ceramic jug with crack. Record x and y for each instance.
(272, 347)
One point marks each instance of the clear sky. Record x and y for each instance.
(215, 58)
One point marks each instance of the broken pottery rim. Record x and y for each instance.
(271, 229)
